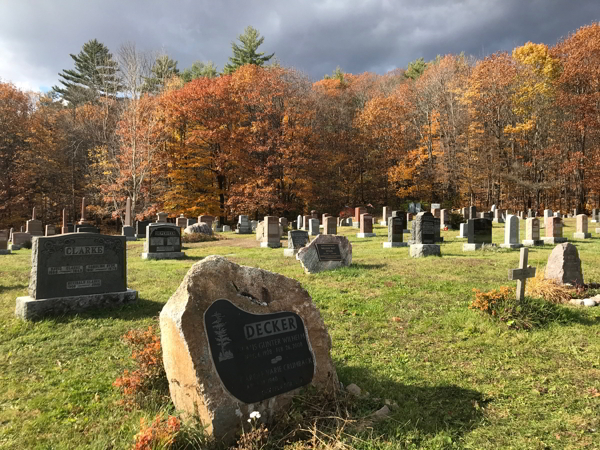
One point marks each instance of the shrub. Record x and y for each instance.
(150, 373)
(160, 434)
(455, 220)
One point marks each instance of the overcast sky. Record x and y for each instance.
(36, 36)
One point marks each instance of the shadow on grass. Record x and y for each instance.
(14, 287)
(426, 410)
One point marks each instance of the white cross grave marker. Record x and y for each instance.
(522, 273)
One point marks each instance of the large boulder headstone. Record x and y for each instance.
(198, 228)
(297, 239)
(423, 236)
(71, 273)
(163, 241)
(511, 232)
(325, 252)
(239, 339)
(564, 265)
(532, 232)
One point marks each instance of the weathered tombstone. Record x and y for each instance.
(463, 231)
(65, 227)
(4, 250)
(325, 252)
(532, 232)
(329, 225)
(522, 273)
(387, 213)
(283, 222)
(313, 227)
(206, 219)
(244, 226)
(128, 231)
(271, 233)
(305, 222)
(423, 236)
(472, 212)
(582, 227)
(564, 265)
(594, 215)
(366, 226)
(140, 228)
(34, 226)
(198, 228)
(498, 216)
(395, 232)
(238, 339)
(297, 239)
(358, 211)
(554, 233)
(50, 230)
(444, 218)
(181, 221)
(163, 241)
(511, 232)
(435, 212)
(260, 231)
(299, 222)
(479, 233)
(72, 273)
(19, 239)
(161, 217)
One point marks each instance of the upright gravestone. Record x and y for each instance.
(395, 232)
(511, 232)
(163, 241)
(366, 226)
(34, 227)
(206, 219)
(65, 228)
(74, 272)
(530, 214)
(161, 217)
(558, 214)
(444, 218)
(19, 239)
(181, 221)
(260, 231)
(498, 216)
(472, 212)
(479, 232)
(283, 222)
(297, 239)
(271, 233)
(358, 211)
(140, 228)
(253, 224)
(128, 230)
(323, 218)
(243, 226)
(299, 222)
(465, 213)
(325, 252)
(554, 233)
(463, 231)
(306, 222)
(547, 213)
(83, 220)
(313, 227)
(329, 225)
(387, 213)
(594, 215)
(435, 212)
(193, 221)
(564, 265)
(532, 232)
(238, 339)
(50, 230)
(4, 250)
(423, 236)
(494, 208)
(582, 227)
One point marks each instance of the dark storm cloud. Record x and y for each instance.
(36, 37)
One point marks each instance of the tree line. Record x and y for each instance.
(519, 130)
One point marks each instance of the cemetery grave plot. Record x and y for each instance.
(400, 329)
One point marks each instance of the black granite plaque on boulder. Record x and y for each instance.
(258, 356)
(329, 252)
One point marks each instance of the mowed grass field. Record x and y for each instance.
(401, 330)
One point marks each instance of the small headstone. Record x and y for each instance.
(140, 228)
(493, 208)
(18, 239)
(299, 222)
(395, 232)
(472, 212)
(358, 211)
(305, 222)
(323, 218)
(65, 228)
(564, 265)
(532, 232)
(423, 236)
(283, 222)
(412, 208)
(226, 228)
(463, 231)
(253, 224)
(260, 231)
(128, 231)
(271, 233)
(444, 218)
(72, 273)
(465, 213)
(325, 252)
(511, 232)
(387, 213)
(50, 230)
(594, 215)
(438, 226)
(530, 214)
(4, 243)
(34, 226)
(239, 339)
(243, 226)
(554, 233)
(366, 226)
(557, 214)
(181, 221)
(297, 239)
(582, 227)
(547, 213)
(479, 233)
(161, 217)
(313, 227)
(205, 218)
(435, 212)
(198, 228)
(163, 241)
(498, 216)
(329, 225)
(86, 229)
(435, 206)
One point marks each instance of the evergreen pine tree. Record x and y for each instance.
(163, 69)
(246, 53)
(199, 69)
(94, 75)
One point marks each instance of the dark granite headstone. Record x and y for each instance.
(423, 229)
(396, 227)
(163, 237)
(70, 227)
(140, 228)
(258, 356)
(481, 231)
(297, 239)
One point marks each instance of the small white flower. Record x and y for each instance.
(255, 415)
(249, 420)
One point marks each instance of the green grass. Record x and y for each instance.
(401, 330)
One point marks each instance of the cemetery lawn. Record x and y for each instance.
(401, 330)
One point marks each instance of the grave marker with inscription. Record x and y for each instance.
(297, 239)
(238, 339)
(554, 233)
(128, 230)
(330, 225)
(581, 227)
(140, 228)
(423, 236)
(163, 241)
(511, 232)
(532, 232)
(325, 252)
(479, 233)
(396, 232)
(73, 272)
(366, 226)
(18, 239)
(271, 232)
(34, 227)
(4, 250)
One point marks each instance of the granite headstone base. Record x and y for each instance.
(532, 243)
(582, 235)
(424, 250)
(14, 246)
(163, 255)
(129, 233)
(290, 252)
(29, 308)
(511, 245)
(395, 244)
(471, 247)
(5, 251)
(365, 235)
(554, 240)
(270, 244)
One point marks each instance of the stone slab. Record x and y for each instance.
(29, 308)
(395, 244)
(511, 245)
(270, 244)
(14, 247)
(163, 255)
(471, 247)
(532, 243)
(554, 240)
(365, 235)
(582, 235)
(316, 260)
(5, 251)
(424, 250)
(290, 252)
